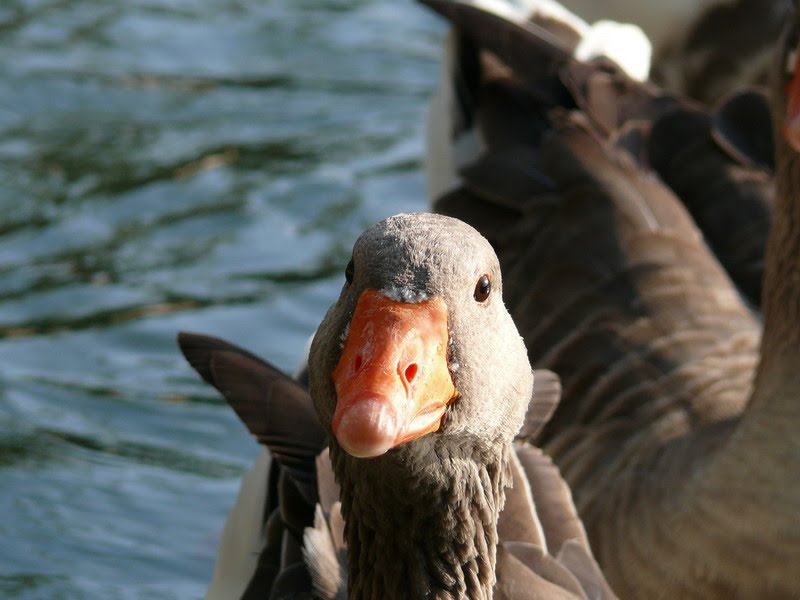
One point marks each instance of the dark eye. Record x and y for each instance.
(483, 288)
(348, 271)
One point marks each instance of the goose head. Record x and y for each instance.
(786, 101)
(419, 344)
(421, 379)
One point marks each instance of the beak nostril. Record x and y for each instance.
(357, 362)
(411, 372)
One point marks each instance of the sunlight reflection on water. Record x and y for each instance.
(166, 165)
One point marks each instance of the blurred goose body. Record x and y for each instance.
(676, 428)
(706, 49)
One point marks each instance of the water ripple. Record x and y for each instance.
(173, 165)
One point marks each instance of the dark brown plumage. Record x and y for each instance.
(705, 49)
(676, 434)
(724, 48)
(719, 162)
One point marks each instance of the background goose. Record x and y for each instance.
(718, 161)
(452, 138)
(675, 432)
(424, 505)
(705, 49)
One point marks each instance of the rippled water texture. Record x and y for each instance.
(166, 165)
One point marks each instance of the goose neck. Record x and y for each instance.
(437, 538)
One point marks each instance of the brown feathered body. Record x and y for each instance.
(676, 429)
(461, 512)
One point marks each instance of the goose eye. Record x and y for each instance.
(348, 271)
(483, 288)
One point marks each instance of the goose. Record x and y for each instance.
(676, 429)
(401, 451)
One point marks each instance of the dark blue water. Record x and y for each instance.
(166, 165)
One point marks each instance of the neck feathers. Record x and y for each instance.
(422, 525)
(778, 374)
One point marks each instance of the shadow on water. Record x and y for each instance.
(19, 585)
(41, 448)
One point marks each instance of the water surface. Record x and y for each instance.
(166, 165)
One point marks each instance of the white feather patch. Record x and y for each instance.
(321, 558)
(242, 538)
(625, 44)
(404, 295)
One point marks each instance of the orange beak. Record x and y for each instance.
(791, 124)
(392, 381)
